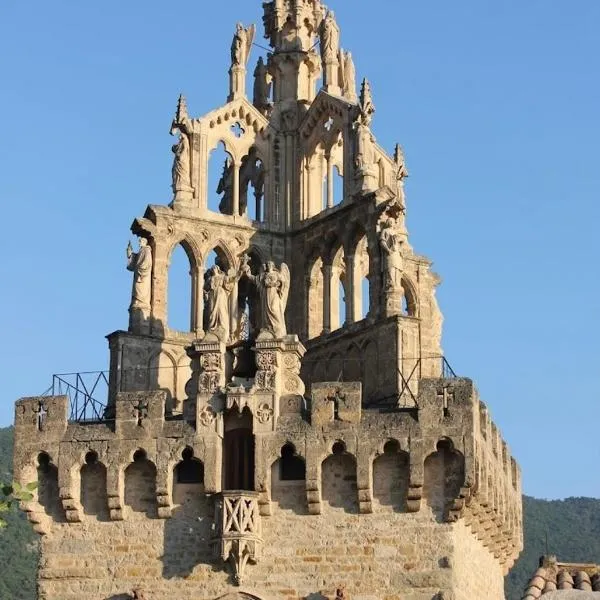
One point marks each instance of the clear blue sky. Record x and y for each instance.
(496, 105)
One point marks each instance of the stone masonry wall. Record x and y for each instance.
(384, 555)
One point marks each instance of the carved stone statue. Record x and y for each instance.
(330, 38)
(225, 187)
(365, 146)
(181, 171)
(141, 265)
(347, 75)
(262, 86)
(393, 263)
(241, 44)
(217, 290)
(273, 287)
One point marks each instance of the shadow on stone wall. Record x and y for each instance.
(187, 538)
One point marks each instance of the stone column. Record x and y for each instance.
(236, 188)
(198, 318)
(353, 289)
(327, 278)
(330, 198)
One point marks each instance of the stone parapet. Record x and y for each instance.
(449, 435)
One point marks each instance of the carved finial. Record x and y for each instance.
(401, 170)
(182, 111)
(367, 107)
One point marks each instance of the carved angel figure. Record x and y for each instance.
(217, 290)
(241, 44)
(273, 287)
(140, 263)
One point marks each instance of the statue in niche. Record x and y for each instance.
(181, 126)
(262, 86)
(241, 44)
(140, 263)
(225, 188)
(217, 291)
(347, 75)
(391, 249)
(273, 287)
(330, 38)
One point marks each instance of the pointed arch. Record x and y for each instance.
(410, 301)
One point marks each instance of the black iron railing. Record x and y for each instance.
(384, 391)
(87, 393)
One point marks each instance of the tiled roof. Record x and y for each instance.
(552, 576)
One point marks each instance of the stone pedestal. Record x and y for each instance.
(237, 83)
(208, 377)
(278, 365)
(139, 320)
(183, 196)
(367, 179)
(392, 302)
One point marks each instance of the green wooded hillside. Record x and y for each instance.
(572, 528)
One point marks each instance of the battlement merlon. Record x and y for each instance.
(451, 430)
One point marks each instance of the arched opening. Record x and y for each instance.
(360, 277)
(409, 299)
(238, 451)
(338, 480)
(340, 321)
(48, 496)
(288, 480)
(140, 485)
(365, 288)
(188, 478)
(391, 478)
(338, 183)
(291, 466)
(180, 301)
(252, 186)
(220, 181)
(444, 476)
(93, 495)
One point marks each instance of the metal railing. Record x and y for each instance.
(386, 382)
(87, 393)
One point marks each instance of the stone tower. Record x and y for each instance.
(304, 438)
